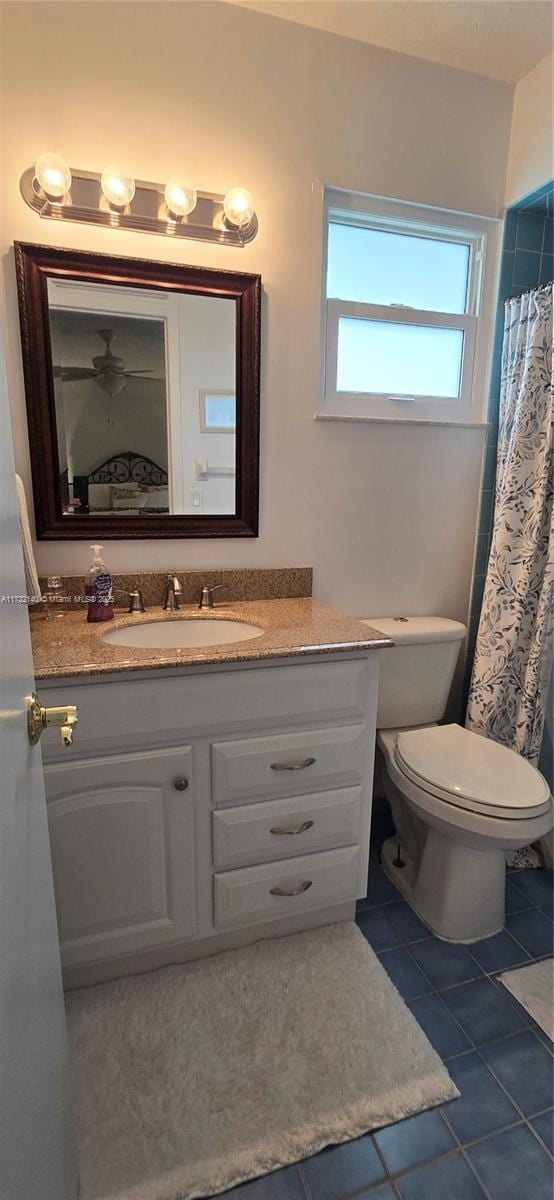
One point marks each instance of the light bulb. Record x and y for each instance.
(238, 207)
(118, 186)
(180, 195)
(53, 174)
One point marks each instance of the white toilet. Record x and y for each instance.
(458, 800)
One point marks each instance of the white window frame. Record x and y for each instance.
(481, 234)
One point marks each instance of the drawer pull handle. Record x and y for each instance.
(180, 784)
(277, 891)
(299, 766)
(279, 832)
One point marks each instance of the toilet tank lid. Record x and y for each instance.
(418, 630)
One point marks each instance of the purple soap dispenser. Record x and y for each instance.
(98, 589)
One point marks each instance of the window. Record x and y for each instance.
(406, 292)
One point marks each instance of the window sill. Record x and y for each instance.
(403, 421)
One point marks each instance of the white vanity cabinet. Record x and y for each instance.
(204, 807)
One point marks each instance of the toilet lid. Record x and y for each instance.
(471, 771)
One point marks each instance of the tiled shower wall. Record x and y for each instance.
(527, 262)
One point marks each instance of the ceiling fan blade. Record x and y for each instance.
(140, 371)
(71, 374)
(145, 378)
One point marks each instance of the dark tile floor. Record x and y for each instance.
(495, 1142)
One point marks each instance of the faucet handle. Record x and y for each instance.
(206, 597)
(136, 602)
(136, 599)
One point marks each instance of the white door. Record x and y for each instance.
(37, 1149)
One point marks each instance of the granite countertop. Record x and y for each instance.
(68, 645)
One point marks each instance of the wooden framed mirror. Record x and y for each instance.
(121, 358)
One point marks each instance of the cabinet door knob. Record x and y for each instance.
(180, 784)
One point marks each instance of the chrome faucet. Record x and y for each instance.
(207, 595)
(173, 593)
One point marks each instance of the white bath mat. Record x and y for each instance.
(533, 986)
(193, 1078)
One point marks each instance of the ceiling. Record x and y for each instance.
(138, 341)
(502, 39)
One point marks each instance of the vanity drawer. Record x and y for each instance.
(122, 714)
(279, 889)
(247, 770)
(256, 833)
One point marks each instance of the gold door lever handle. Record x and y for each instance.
(62, 717)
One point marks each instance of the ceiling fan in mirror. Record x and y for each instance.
(107, 370)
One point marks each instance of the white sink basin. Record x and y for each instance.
(186, 631)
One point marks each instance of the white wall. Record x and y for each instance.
(97, 428)
(530, 157)
(386, 514)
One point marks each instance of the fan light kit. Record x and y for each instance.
(115, 199)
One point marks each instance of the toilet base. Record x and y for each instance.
(457, 891)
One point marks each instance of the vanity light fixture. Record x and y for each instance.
(53, 176)
(115, 200)
(180, 196)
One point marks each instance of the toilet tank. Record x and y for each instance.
(416, 673)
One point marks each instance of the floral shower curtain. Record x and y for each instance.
(511, 668)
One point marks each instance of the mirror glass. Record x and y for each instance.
(144, 397)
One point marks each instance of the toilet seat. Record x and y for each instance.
(471, 772)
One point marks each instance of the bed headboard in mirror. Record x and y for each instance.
(162, 358)
(126, 483)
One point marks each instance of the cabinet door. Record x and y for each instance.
(122, 840)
